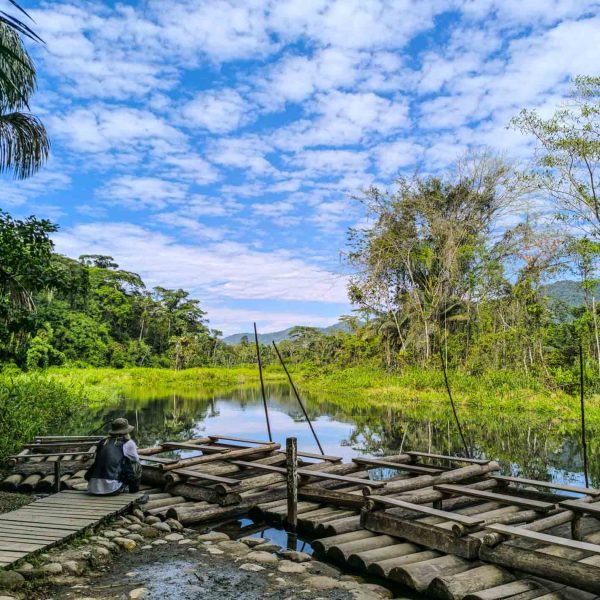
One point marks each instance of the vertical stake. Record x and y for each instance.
(299, 399)
(582, 399)
(291, 464)
(57, 476)
(262, 384)
(462, 437)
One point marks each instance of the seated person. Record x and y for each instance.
(116, 468)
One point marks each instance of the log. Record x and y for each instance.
(454, 476)
(310, 524)
(555, 568)
(338, 526)
(194, 492)
(164, 509)
(341, 552)
(335, 497)
(29, 483)
(322, 546)
(11, 462)
(382, 568)
(455, 587)
(12, 482)
(364, 559)
(159, 502)
(233, 454)
(418, 576)
(192, 514)
(47, 468)
(506, 590)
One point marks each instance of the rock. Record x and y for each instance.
(251, 567)
(174, 537)
(232, 547)
(147, 547)
(269, 547)
(295, 556)
(213, 536)
(253, 541)
(214, 550)
(160, 526)
(174, 524)
(34, 573)
(185, 542)
(134, 527)
(73, 567)
(24, 567)
(110, 534)
(136, 537)
(11, 580)
(138, 514)
(321, 582)
(52, 568)
(378, 590)
(261, 557)
(108, 545)
(148, 532)
(287, 566)
(125, 543)
(316, 567)
(99, 555)
(139, 593)
(150, 520)
(136, 519)
(159, 542)
(122, 531)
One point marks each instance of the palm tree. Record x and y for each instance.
(24, 143)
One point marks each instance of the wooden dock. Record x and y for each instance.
(54, 519)
(448, 526)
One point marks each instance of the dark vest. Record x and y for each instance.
(109, 460)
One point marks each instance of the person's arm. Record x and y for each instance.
(130, 451)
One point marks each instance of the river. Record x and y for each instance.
(526, 444)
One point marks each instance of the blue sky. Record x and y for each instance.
(217, 145)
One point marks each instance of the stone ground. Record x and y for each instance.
(147, 559)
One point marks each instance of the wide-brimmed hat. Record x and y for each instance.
(120, 427)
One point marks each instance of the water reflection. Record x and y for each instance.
(526, 443)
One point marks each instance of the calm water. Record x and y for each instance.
(527, 444)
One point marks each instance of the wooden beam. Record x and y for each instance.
(548, 484)
(232, 438)
(581, 507)
(409, 468)
(501, 498)
(325, 457)
(535, 536)
(456, 459)
(200, 475)
(189, 446)
(426, 510)
(310, 473)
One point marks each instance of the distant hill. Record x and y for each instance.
(278, 336)
(566, 291)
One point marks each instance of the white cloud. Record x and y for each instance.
(142, 192)
(218, 111)
(227, 269)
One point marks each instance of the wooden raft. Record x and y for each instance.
(54, 519)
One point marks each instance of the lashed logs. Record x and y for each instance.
(418, 575)
(323, 545)
(341, 552)
(363, 559)
(455, 587)
(12, 482)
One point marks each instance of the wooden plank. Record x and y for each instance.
(232, 438)
(20, 546)
(426, 510)
(388, 464)
(456, 459)
(19, 536)
(310, 473)
(157, 459)
(536, 536)
(83, 502)
(207, 476)
(581, 507)
(41, 530)
(76, 512)
(50, 522)
(188, 446)
(325, 457)
(500, 498)
(548, 484)
(25, 457)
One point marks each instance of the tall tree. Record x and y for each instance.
(567, 164)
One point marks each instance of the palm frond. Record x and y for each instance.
(17, 72)
(17, 24)
(24, 144)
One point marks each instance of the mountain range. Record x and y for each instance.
(566, 291)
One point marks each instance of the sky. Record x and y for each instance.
(220, 146)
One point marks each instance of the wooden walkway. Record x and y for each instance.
(54, 519)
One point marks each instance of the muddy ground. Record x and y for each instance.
(184, 573)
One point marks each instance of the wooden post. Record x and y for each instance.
(291, 451)
(57, 476)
